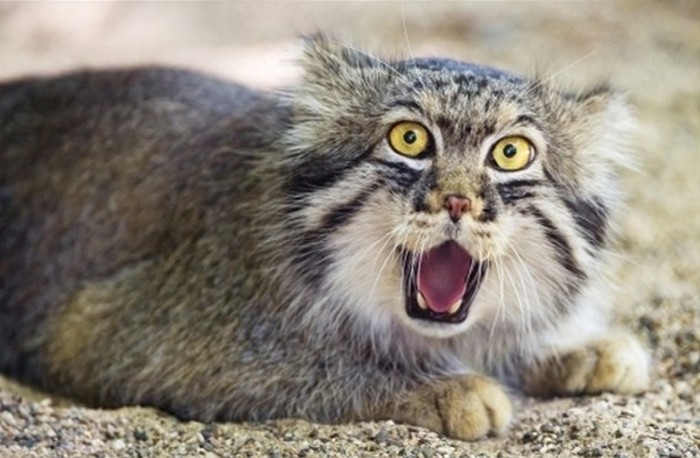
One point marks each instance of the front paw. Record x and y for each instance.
(616, 363)
(467, 407)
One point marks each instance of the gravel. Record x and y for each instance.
(651, 49)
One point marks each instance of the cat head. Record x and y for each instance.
(443, 196)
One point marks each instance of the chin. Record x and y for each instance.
(435, 330)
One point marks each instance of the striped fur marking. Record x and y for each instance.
(591, 219)
(313, 254)
(561, 246)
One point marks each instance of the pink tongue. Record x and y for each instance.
(442, 275)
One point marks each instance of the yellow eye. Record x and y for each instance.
(409, 138)
(512, 153)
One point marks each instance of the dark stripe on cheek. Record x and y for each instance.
(591, 219)
(398, 176)
(591, 216)
(305, 183)
(515, 190)
(522, 183)
(312, 255)
(561, 246)
(322, 173)
(341, 214)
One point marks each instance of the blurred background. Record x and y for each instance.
(257, 41)
(649, 49)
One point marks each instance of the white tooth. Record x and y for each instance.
(453, 309)
(421, 301)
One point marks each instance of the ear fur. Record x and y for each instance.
(324, 57)
(608, 121)
(333, 67)
(598, 124)
(604, 129)
(340, 93)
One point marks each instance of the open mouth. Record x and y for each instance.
(441, 283)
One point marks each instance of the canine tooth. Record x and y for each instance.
(421, 301)
(453, 309)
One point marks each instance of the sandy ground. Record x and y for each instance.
(652, 50)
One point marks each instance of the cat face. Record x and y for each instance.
(445, 196)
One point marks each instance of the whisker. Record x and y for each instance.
(566, 68)
(380, 61)
(388, 238)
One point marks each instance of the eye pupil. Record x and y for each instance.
(510, 150)
(410, 137)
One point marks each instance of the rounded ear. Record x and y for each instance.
(339, 72)
(340, 93)
(591, 138)
(606, 125)
(600, 125)
(325, 58)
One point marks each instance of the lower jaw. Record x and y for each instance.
(415, 311)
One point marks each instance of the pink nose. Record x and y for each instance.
(457, 206)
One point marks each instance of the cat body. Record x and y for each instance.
(375, 243)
